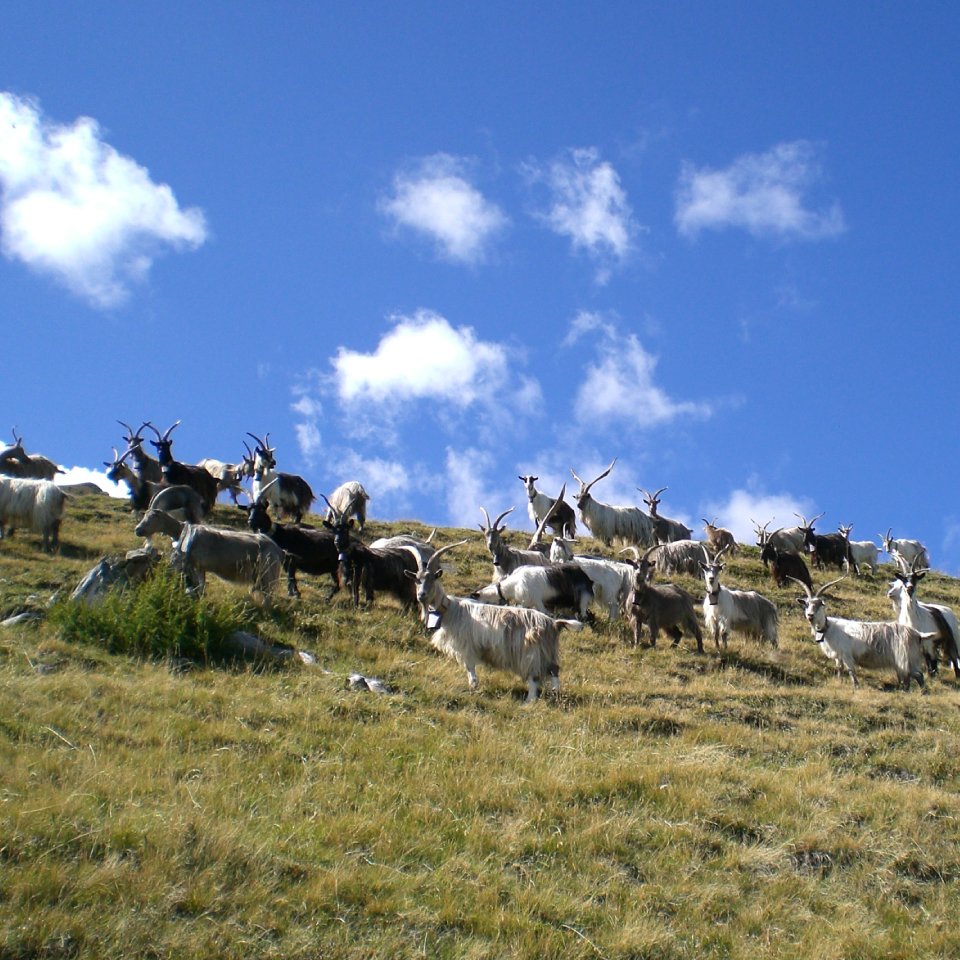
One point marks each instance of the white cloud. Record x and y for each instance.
(424, 357)
(467, 489)
(619, 384)
(73, 207)
(590, 207)
(86, 475)
(436, 199)
(743, 507)
(762, 193)
(308, 440)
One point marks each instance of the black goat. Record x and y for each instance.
(785, 566)
(308, 549)
(174, 472)
(830, 549)
(662, 605)
(389, 569)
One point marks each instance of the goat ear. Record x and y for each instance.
(327, 524)
(410, 574)
(801, 600)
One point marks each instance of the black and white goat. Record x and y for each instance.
(863, 553)
(608, 522)
(559, 586)
(828, 549)
(522, 641)
(287, 493)
(858, 643)
(562, 520)
(933, 619)
(786, 539)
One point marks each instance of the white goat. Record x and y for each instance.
(349, 499)
(743, 611)
(542, 588)
(608, 523)
(523, 641)
(35, 504)
(935, 619)
(679, 556)
(905, 552)
(227, 475)
(858, 643)
(864, 553)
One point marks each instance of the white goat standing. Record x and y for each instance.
(859, 643)
(933, 619)
(37, 505)
(607, 522)
(523, 641)
(906, 553)
(743, 611)
(540, 507)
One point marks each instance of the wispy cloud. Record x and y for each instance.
(742, 507)
(762, 193)
(72, 207)
(619, 385)
(436, 199)
(589, 206)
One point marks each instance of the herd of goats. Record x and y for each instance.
(512, 624)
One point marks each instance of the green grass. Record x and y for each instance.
(665, 805)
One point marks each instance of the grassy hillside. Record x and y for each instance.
(665, 805)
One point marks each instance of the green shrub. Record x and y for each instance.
(154, 619)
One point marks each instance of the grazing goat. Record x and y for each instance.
(743, 611)
(349, 500)
(547, 589)
(37, 505)
(785, 566)
(608, 523)
(664, 529)
(663, 605)
(372, 569)
(174, 472)
(505, 558)
(905, 552)
(857, 643)
(237, 556)
(287, 493)
(933, 619)
(719, 538)
(517, 639)
(562, 520)
(308, 549)
(863, 553)
(16, 462)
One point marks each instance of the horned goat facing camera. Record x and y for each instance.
(873, 645)
(349, 500)
(37, 505)
(659, 606)
(562, 520)
(524, 642)
(742, 611)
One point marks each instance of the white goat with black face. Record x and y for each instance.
(743, 611)
(525, 642)
(607, 522)
(562, 519)
(858, 643)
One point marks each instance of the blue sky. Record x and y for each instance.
(433, 246)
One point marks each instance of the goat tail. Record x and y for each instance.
(569, 624)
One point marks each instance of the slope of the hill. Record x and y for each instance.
(666, 804)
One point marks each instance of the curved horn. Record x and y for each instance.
(602, 475)
(149, 424)
(432, 563)
(826, 586)
(261, 444)
(486, 517)
(809, 592)
(496, 523)
(170, 429)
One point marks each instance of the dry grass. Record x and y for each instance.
(665, 805)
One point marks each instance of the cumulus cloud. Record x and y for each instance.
(85, 475)
(589, 206)
(467, 486)
(739, 511)
(437, 200)
(72, 207)
(424, 357)
(619, 385)
(763, 193)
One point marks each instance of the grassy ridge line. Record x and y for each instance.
(665, 805)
